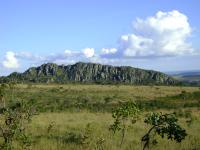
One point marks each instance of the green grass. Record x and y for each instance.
(79, 111)
(67, 124)
(102, 98)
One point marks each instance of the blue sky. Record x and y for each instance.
(64, 32)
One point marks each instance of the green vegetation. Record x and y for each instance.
(13, 126)
(163, 125)
(76, 116)
(126, 113)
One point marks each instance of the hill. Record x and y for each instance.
(90, 73)
(187, 77)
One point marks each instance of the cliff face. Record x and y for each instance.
(90, 72)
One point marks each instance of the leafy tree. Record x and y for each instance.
(124, 115)
(162, 125)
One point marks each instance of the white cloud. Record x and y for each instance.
(69, 56)
(133, 45)
(10, 60)
(65, 57)
(29, 56)
(164, 34)
(88, 52)
(108, 50)
(68, 52)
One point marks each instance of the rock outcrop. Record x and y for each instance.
(90, 73)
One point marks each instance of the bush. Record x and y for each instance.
(162, 125)
(13, 128)
(128, 112)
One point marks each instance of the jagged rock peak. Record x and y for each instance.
(91, 72)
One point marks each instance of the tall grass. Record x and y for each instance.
(70, 128)
(77, 117)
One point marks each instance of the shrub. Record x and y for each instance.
(13, 128)
(162, 125)
(128, 112)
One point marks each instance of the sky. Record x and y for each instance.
(150, 34)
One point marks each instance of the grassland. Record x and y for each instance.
(78, 117)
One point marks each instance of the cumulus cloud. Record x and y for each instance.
(164, 34)
(10, 60)
(88, 52)
(69, 56)
(61, 56)
(161, 35)
(65, 57)
(108, 53)
(108, 50)
(68, 53)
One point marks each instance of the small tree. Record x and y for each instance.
(13, 128)
(162, 125)
(124, 115)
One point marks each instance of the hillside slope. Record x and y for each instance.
(188, 77)
(90, 73)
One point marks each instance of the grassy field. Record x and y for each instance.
(69, 128)
(78, 117)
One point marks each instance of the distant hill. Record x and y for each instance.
(188, 77)
(90, 73)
